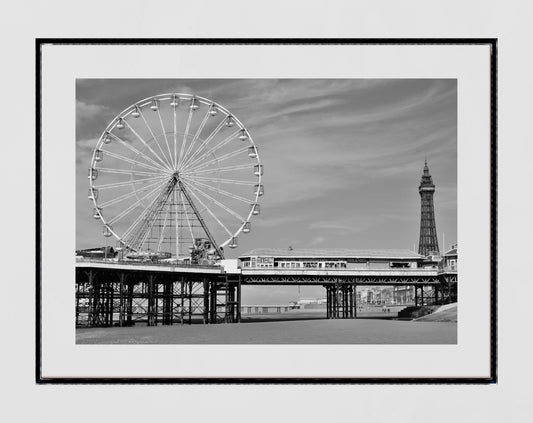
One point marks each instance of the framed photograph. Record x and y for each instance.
(266, 211)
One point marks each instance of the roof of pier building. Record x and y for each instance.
(451, 252)
(341, 253)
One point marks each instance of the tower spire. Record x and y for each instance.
(428, 243)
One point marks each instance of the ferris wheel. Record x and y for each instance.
(172, 169)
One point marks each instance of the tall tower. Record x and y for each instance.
(428, 243)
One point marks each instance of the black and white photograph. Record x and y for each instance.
(266, 211)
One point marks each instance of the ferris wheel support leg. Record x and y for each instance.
(201, 220)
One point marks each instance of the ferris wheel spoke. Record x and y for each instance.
(135, 181)
(134, 225)
(223, 192)
(218, 203)
(133, 206)
(163, 162)
(187, 217)
(141, 217)
(185, 135)
(175, 137)
(155, 139)
(166, 139)
(138, 152)
(176, 206)
(132, 161)
(217, 159)
(138, 219)
(222, 169)
(196, 136)
(204, 143)
(215, 148)
(161, 237)
(221, 180)
(126, 172)
(211, 213)
(128, 195)
(147, 232)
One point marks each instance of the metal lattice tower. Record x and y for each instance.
(428, 243)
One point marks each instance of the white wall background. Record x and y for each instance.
(510, 21)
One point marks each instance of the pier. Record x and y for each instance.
(122, 293)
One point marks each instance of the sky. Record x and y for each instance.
(342, 158)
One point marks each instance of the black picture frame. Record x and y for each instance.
(491, 42)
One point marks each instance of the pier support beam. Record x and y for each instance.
(341, 302)
(121, 308)
(168, 294)
(94, 299)
(354, 301)
(206, 300)
(213, 302)
(239, 303)
(129, 304)
(151, 312)
(182, 300)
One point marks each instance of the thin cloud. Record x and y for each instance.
(317, 241)
(355, 224)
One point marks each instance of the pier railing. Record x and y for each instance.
(114, 262)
